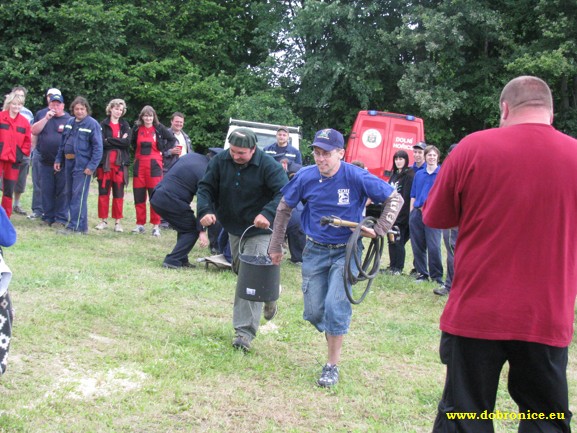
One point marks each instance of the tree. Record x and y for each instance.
(546, 46)
(454, 69)
(348, 60)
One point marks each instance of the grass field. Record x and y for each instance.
(105, 340)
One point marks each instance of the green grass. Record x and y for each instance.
(105, 340)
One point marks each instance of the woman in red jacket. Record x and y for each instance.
(150, 139)
(15, 142)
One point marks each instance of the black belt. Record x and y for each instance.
(331, 246)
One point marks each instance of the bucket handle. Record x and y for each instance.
(243, 233)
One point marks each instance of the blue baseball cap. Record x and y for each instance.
(57, 97)
(328, 140)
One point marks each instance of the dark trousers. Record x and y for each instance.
(426, 244)
(183, 221)
(450, 240)
(53, 195)
(213, 233)
(537, 382)
(397, 251)
(295, 236)
(76, 192)
(36, 183)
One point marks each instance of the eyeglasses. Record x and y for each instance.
(322, 155)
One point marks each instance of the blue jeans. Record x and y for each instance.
(426, 244)
(326, 305)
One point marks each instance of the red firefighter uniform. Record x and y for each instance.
(149, 144)
(14, 145)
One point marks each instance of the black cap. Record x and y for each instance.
(420, 145)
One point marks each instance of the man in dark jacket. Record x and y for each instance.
(241, 188)
(172, 198)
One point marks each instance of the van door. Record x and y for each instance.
(377, 135)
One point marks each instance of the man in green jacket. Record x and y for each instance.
(241, 188)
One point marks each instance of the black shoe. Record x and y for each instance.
(68, 232)
(421, 277)
(170, 266)
(189, 265)
(413, 273)
(270, 310)
(441, 291)
(241, 343)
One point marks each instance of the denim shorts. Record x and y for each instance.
(326, 305)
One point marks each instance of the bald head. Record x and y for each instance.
(526, 99)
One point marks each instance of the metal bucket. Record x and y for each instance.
(258, 279)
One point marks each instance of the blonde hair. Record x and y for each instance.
(116, 103)
(430, 148)
(12, 97)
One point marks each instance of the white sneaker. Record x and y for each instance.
(101, 225)
(118, 228)
(156, 232)
(138, 230)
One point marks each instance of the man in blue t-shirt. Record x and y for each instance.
(331, 187)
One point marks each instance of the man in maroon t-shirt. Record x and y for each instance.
(513, 294)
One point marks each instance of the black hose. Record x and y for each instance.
(372, 260)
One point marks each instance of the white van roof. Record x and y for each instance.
(265, 132)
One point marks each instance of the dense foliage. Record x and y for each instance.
(308, 62)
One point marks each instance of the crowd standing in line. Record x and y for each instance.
(335, 188)
(513, 298)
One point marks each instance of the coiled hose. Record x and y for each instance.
(369, 268)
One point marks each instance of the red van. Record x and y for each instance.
(377, 135)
